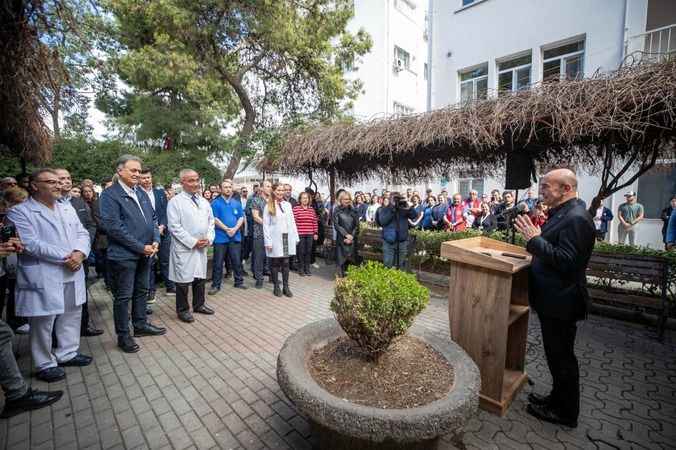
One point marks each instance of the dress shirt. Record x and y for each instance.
(132, 193)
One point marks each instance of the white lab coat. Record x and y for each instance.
(187, 224)
(49, 236)
(272, 230)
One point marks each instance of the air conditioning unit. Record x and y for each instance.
(398, 65)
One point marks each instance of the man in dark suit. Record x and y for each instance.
(158, 199)
(558, 290)
(133, 239)
(84, 213)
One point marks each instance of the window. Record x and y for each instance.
(470, 184)
(655, 188)
(402, 59)
(564, 62)
(514, 75)
(399, 109)
(474, 84)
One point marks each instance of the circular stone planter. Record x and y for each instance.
(341, 424)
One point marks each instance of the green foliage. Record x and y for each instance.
(374, 305)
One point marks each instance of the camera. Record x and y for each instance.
(7, 232)
(399, 202)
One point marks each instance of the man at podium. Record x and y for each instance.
(557, 290)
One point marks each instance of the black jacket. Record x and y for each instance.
(394, 223)
(488, 225)
(557, 278)
(346, 221)
(84, 213)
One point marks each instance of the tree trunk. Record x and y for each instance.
(54, 111)
(247, 130)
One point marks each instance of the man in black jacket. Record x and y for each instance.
(558, 290)
(86, 217)
(394, 221)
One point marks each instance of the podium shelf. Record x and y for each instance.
(515, 312)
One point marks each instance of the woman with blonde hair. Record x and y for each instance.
(280, 236)
(346, 223)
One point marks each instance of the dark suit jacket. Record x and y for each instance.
(557, 278)
(84, 213)
(160, 206)
(128, 229)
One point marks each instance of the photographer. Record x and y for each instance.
(393, 219)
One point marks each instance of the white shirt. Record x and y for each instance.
(151, 196)
(132, 193)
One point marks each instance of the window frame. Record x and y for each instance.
(473, 81)
(564, 59)
(515, 77)
(406, 110)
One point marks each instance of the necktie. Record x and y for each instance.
(194, 199)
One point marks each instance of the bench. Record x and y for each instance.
(614, 270)
(370, 244)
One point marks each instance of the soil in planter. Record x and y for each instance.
(408, 375)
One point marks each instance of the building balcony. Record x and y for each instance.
(654, 45)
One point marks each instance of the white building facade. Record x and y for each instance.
(485, 48)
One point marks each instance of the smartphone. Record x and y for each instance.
(7, 232)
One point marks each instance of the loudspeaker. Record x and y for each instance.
(520, 173)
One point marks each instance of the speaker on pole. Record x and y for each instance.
(520, 173)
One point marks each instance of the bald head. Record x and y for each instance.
(558, 186)
(190, 180)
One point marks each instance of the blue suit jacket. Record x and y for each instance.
(160, 206)
(128, 229)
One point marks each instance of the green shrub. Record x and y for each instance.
(374, 304)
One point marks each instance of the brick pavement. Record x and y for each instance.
(211, 384)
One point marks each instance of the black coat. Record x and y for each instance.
(346, 221)
(84, 213)
(557, 278)
(489, 224)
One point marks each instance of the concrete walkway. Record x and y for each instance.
(211, 384)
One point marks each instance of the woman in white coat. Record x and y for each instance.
(280, 236)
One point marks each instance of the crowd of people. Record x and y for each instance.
(137, 236)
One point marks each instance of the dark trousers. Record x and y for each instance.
(7, 290)
(278, 265)
(304, 252)
(11, 380)
(558, 339)
(247, 247)
(129, 283)
(232, 253)
(182, 304)
(163, 258)
(103, 266)
(258, 258)
(84, 320)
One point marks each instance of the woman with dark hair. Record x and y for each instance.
(280, 236)
(666, 214)
(308, 232)
(346, 224)
(207, 195)
(428, 219)
(416, 205)
(485, 221)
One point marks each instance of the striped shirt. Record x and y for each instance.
(306, 220)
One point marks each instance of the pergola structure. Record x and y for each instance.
(617, 125)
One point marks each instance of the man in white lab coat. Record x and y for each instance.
(50, 278)
(191, 224)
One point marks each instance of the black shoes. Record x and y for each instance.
(204, 309)
(51, 374)
(29, 401)
(287, 291)
(548, 414)
(538, 399)
(171, 291)
(186, 317)
(91, 331)
(78, 360)
(277, 292)
(127, 344)
(259, 284)
(214, 291)
(240, 286)
(149, 330)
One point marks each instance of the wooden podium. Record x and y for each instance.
(488, 313)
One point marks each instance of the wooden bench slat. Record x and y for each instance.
(627, 298)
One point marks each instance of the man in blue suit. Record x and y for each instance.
(158, 199)
(133, 239)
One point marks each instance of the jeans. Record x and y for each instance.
(103, 266)
(129, 283)
(165, 246)
(231, 251)
(623, 234)
(258, 258)
(390, 254)
(10, 377)
(304, 252)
